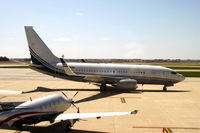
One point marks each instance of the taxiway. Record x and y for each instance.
(178, 109)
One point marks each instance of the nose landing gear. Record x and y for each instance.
(165, 88)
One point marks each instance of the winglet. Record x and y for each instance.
(67, 69)
(134, 112)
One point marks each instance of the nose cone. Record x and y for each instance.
(69, 100)
(181, 77)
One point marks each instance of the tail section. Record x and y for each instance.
(40, 53)
(38, 49)
(42, 58)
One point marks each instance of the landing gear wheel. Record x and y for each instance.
(165, 88)
(19, 127)
(103, 87)
(68, 127)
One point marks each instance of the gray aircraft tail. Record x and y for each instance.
(40, 53)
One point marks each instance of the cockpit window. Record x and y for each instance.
(173, 72)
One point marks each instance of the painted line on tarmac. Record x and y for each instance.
(126, 97)
(167, 130)
(123, 100)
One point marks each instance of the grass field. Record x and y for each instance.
(190, 74)
(184, 67)
(167, 64)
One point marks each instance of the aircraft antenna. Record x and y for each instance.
(63, 56)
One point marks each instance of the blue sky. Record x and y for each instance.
(146, 29)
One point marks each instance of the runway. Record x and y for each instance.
(177, 109)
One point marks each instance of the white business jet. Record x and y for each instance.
(118, 75)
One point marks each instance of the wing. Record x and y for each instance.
(10, 92)
(98, 78)
(66, 68)
(91, 115)
(4, 106)
(88, 77)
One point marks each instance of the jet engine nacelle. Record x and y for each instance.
(127, 84)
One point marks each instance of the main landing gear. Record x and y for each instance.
(68, 127)
(103, 87)
(67, 124)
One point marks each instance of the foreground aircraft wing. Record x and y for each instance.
(10, 92)
(91, 115)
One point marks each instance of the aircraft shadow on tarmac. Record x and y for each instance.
(165, 91)
(108, 94)
(54, 128)
(111, 91)
(44, 89)
(99, 96)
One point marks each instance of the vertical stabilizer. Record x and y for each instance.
(40, 53)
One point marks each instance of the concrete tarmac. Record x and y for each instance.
(177, 109)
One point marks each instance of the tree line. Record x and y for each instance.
(3, 58)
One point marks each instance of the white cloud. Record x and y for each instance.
(134, 50)
(78, 13)
(63, 39)
(105, 39)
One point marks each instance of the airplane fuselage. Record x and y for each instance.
(32, 112)
(49, 108)
(144, 74)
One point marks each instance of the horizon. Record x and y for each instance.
(104, 29)
(133, 59)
